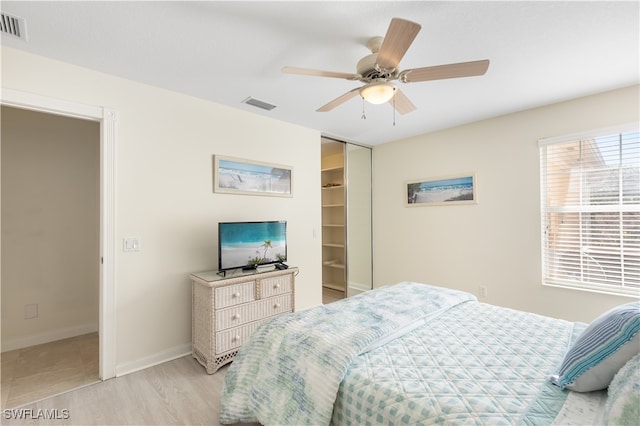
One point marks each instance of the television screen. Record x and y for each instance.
(251, 244)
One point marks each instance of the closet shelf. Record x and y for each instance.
(334, 168)
(333, 286)
(333, 264)
(339, 245)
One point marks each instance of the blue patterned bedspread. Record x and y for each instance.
(476, 364)
(290, 370)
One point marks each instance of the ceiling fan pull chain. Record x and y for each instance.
(363, 117)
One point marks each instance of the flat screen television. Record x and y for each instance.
(248, 245)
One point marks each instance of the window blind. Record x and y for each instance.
(590, 206)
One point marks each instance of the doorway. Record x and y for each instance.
(107, 120)
(50, 253)
(347, 254)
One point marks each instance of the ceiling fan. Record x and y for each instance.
(380, 68)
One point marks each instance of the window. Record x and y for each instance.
(590, 188)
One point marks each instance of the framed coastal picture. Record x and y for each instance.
(237, 176)
(442, 191)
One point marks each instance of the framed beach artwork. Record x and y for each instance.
(442, 191)
(237, 176)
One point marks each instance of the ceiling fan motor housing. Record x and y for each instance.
(369, 71)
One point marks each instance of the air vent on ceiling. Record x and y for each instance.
(258, 103)
(13, 26)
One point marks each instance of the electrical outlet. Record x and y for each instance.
(482, 291)
(31, 311)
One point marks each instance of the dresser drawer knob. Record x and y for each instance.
(276, 286)
(236, 294)
(236, 317)
(235, 338)
(276, 306)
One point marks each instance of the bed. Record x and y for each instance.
(413, 353)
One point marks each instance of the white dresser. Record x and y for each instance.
(226, 310)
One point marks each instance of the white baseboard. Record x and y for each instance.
(155, 359)
(48, 336)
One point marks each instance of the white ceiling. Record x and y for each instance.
(541, 52)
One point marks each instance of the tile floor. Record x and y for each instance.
(33, 373)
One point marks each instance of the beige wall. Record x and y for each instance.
(50, 219)
(165, 143)
(495, 243)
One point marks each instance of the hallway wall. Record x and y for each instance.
(50, 227)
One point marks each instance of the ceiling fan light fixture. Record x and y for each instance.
(378, 92)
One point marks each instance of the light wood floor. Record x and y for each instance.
(40, 371)
(179, 392)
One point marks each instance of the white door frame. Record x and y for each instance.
(108, 119)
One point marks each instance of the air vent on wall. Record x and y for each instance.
(258, 103)
(13, 26)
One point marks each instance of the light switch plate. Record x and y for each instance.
(131, 244)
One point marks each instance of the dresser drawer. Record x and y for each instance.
(235, 294)
(275, 285)
(233, 338)
(242, 314)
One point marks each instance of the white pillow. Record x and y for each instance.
(602, 349)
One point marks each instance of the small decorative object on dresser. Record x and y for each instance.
(226, 310)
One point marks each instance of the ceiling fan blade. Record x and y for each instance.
(438, 72)
(399, 37)
(401, 103)
(319, 73)
(339, 100)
